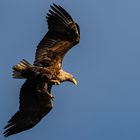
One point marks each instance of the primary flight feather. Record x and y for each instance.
(35, 94)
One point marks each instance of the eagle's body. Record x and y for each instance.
(35, 93)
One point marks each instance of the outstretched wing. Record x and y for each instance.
(35, 103)
(63, 34)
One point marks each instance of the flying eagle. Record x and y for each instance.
(35, 94)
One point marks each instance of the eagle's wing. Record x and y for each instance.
(35, 103)
(63, 34)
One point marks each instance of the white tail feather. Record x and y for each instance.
(18, 68)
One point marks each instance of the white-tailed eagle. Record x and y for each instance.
(35, 94)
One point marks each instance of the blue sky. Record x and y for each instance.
(105, 105)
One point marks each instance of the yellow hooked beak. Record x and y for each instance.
(74, 81)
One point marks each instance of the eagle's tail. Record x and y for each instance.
(19, 68)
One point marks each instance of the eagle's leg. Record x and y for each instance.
(44, 92)
(55, 82)
(47, 78)
(43, 89)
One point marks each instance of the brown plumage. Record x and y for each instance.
(35, 94)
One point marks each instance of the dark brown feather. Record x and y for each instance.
(63, 34)
(35, 103)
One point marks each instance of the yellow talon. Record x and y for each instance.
(56, 82)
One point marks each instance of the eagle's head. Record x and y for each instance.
(65, 76)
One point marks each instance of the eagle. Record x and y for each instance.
(35, 94)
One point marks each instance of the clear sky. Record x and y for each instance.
(105, 105)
